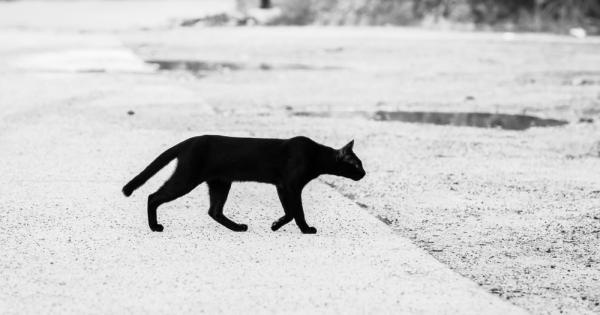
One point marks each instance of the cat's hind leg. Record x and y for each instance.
(281, 222)
(178, 185)
(218, 192)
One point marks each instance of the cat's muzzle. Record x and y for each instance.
(358, 175)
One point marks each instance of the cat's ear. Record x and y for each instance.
(345, 150)
(348, 147)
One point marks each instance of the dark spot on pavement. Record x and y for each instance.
(385, 220)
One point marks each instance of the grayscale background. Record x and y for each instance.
(477, 121)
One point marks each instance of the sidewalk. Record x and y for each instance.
(72, 243)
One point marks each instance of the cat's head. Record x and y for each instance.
(349, 165)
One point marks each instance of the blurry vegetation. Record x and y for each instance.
(515, 15)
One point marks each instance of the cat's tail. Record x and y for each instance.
(151, 169)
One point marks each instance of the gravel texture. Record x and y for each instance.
(73, 244)
(515, 211)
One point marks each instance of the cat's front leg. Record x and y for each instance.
(291, 201)
(281, 192)
(299, 215)
(218, 192)
(305, 229)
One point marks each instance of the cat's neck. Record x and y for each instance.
(326, 161)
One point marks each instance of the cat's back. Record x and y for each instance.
(301, 143)
(218, 140)
(251, 146)
(302, 150)
(218, 146)
(238, 142)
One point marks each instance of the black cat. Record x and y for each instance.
(289, 164)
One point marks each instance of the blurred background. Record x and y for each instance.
(513, 15)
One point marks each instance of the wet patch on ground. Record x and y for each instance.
(464, 119)
(569, 78)
(470, 119)
(200, 68)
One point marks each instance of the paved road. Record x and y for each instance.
(72, 243)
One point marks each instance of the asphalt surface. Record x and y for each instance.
(72, 243)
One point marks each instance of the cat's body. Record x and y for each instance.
(218, 160)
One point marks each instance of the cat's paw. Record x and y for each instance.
(310, 230)
(157, 228)
(241, 228)
(275, 226)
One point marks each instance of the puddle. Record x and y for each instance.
(203, 68)
(337, 114)
(384, 220)
(196, 67)
(465, 119)
(569, 78)
(482, 120)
